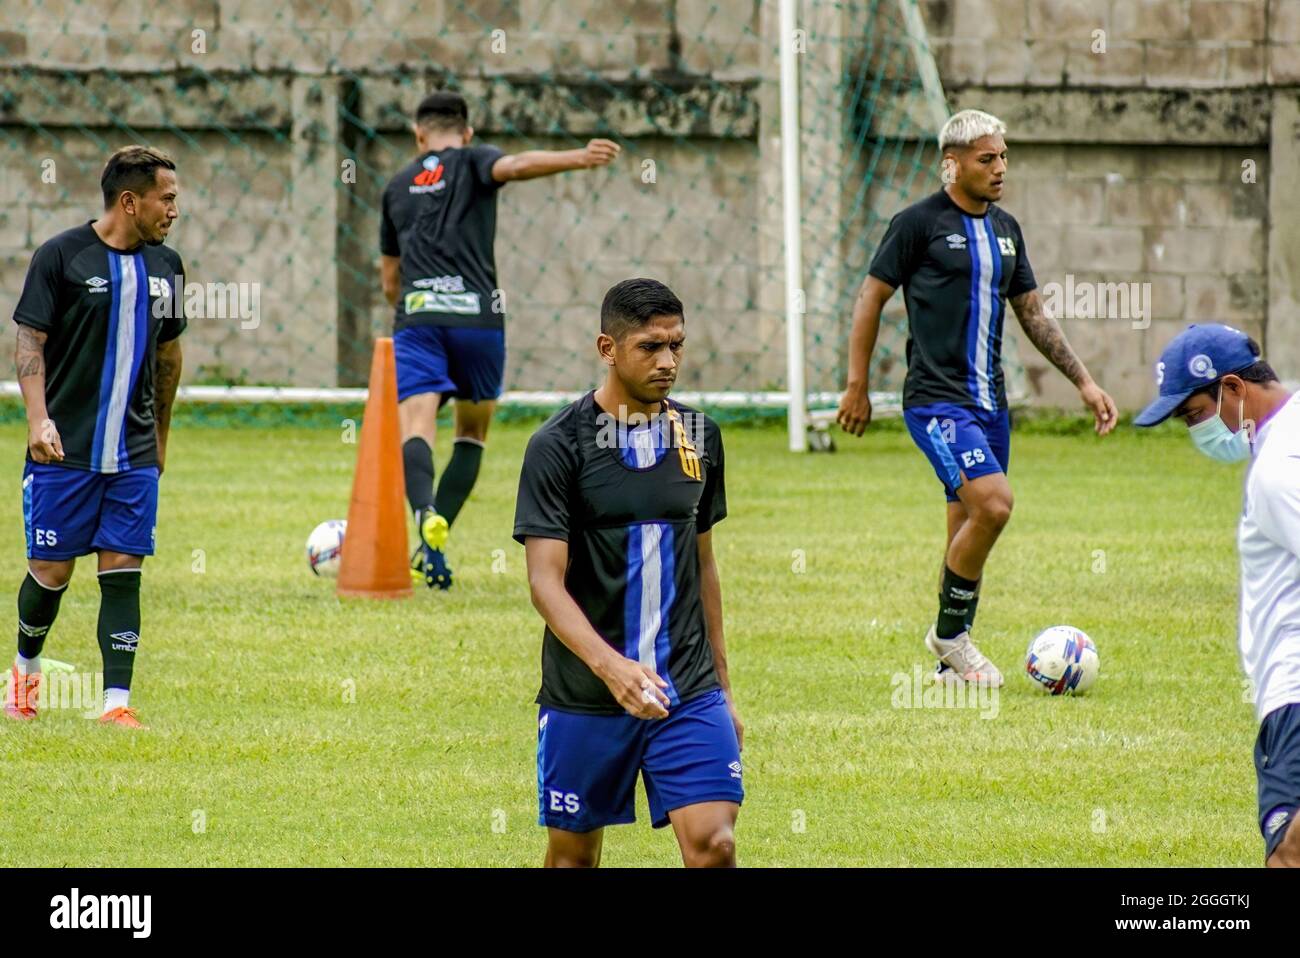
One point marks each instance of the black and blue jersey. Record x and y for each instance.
(439, 216)
(957, 271)
(104, 310)
(630, 504)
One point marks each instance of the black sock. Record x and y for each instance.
(970, 607)
(459, 477)
(417, 463)
(37, 608)
(954, 604)
(119, 625)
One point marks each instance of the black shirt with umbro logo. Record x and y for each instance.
(957, 271)
(105, 311)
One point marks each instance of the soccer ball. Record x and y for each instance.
(1062, 661)
(325, 547)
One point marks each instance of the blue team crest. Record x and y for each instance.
(430, 163)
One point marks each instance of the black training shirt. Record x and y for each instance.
(630, 503)
(957, 271)
(105, 311)
(439, 215)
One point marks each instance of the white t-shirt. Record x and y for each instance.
(1268, 541)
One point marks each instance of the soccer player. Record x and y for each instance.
(437, 230)
(1214, 379)
(960, 258)
(618, 497)
(98, 360)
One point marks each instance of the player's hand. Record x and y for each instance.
(636, 688)
(855, 410)
(735, 720)
(1102, 406)
(601, 152)
(43, 441)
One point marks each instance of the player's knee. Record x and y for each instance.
(994, 512)
(118, 562)
(717, 849)
(52, 575)
(572, 858)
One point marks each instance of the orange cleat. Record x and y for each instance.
(22, 695)
(125, 717)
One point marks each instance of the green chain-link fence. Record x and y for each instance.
(287, 120)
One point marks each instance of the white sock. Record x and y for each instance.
(115, 699)
(27, 666)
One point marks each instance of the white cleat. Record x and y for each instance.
(961, 661)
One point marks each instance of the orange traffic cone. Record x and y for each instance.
(374, 563)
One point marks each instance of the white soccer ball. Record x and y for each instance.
(1062, 660)
(325, 547)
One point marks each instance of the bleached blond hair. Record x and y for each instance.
(964, 128)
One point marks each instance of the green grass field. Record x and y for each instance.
(256, 756)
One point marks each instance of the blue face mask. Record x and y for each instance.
(1216, 440)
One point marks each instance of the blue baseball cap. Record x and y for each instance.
(1195, 358)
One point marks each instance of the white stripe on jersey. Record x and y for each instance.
(1268, 541)
(115, 419)
(651, 605)
(643, 443)
(985, 301)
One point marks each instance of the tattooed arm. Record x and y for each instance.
(166, 378)
(1045, 333)
(29, 360)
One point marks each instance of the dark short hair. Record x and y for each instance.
(1257, 372)
(633, 303)
(443, 110)
(133, 168)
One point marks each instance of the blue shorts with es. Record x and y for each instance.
(1277, 767)
(461, 362)
(72, 512)
(587, 764)
(961, 440)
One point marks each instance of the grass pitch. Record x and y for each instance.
(289, 728)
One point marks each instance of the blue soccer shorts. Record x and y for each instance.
(460, 362)
(72, 512)
(960, 441)
(1277, 767)
(587, 764)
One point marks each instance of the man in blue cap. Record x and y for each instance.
(1212, 377)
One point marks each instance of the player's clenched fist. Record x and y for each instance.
(43, 441)
(636, 688)
(602, 152)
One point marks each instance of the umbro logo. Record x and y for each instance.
(32, 631)
(125, 641)
(956, 241)
(735, 769)
(1276, 821)
(97, 284)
